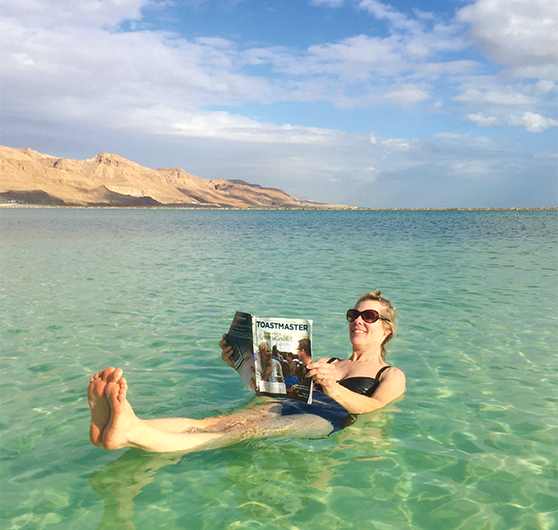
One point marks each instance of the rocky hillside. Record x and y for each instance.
(29, 177)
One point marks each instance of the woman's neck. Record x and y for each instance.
(368, 355)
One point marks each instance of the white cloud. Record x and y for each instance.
(407, 95)
(51, 14)
(386, 12)
(239, 128)
(353, 59)
(528, 121)
(455, 138)
(483, 121)
(544, 87)
(390, 144)
(477, 169)
(407, 52)
(328, 3)
(420, 37)
(519, 34)
(494, 97)
(533, 122)
(112, 72)
(396, 144)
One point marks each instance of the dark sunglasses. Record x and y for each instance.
(368, 315)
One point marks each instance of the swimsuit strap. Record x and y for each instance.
(380, 371)
(376, 384)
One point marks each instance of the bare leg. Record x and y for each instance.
(181, 424)
(125, 429)
(266, 421)
(100, 410)
(114, 425)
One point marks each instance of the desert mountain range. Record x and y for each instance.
(28, 177)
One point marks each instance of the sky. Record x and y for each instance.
(407, 104)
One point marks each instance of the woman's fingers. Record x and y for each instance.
(322, 373)
(227, 352)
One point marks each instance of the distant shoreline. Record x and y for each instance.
(260, 208)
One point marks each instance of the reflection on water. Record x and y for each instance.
(269, 487)
(120, 481)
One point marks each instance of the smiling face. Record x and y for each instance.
(366, 336)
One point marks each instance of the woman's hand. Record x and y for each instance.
(227, 351)
(323, 373)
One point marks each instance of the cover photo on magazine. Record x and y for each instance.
(271, 354)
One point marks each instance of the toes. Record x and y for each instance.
(122, 390)
(103, 374)
(116, 391)
(111, 391)
(114, 376)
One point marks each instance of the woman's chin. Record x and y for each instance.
(357, 338)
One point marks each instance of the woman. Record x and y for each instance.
(268, 368)
(363, 383)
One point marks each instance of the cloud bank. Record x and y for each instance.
(97, 72)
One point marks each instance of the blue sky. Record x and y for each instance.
(355, 102)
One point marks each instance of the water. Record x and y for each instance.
(472, 446)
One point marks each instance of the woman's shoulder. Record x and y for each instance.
(389, 371)
(393, 377)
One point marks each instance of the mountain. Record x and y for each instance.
(109, 180)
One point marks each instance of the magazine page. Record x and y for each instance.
(240, 339)
(282, 349)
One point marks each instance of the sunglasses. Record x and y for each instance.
(368, 315)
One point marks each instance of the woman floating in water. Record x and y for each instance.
(344, 387)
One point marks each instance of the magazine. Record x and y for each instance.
(270, 355)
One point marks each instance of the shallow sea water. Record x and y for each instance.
(472, 446)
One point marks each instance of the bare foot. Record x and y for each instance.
(100, 410)
(123, 424)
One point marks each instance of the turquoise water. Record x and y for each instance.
(472, 446)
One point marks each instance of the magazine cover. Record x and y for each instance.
(271, 354)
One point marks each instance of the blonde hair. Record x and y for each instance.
(264, 346)
(387, 311)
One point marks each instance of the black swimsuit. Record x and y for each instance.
(363, 385)
(328, 408)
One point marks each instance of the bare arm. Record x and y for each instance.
(392, 385)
